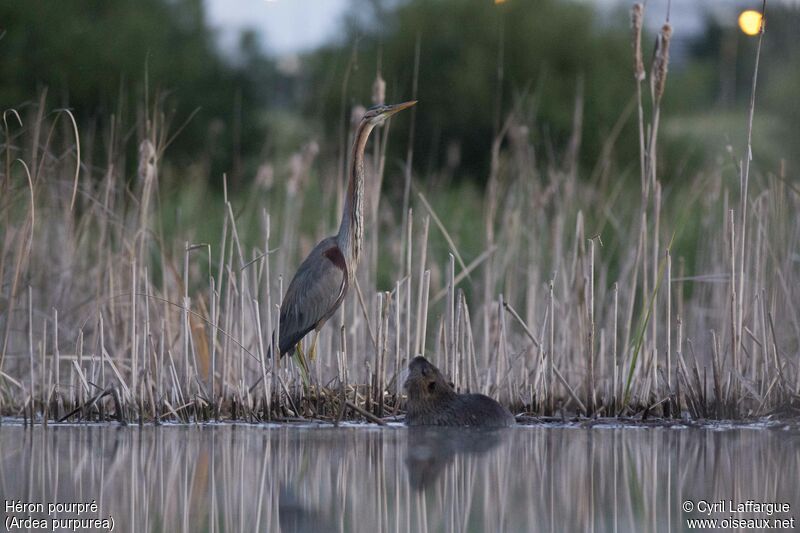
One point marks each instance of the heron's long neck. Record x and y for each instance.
(351, 228)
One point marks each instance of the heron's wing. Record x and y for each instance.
(314, 294)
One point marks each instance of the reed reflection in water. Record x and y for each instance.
(256, 478)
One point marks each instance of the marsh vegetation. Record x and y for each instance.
(132, 289)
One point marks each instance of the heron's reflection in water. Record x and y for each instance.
(431, 449)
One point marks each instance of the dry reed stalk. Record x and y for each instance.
(668, 323)
(503, 355)
(656, 263)
(764, 342)
(590, 379)
(43, 385)
(550, 399)
(419, 338)
(744, 184)
(409, 282)
(735, 339)
(398, 309)
(185, 327)
(262, 355)
(471, 358)
(276, 359)
(615, 354)
(380, 352)
(644, 240)
(450, 318)
(423, 318)
(56, 363)
(459, 362)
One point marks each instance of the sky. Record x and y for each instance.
(285, 26)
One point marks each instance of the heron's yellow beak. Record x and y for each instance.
(396, 108)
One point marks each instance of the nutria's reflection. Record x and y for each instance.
(431, 449)
(296, 517)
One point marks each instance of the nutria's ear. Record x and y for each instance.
(431, 386)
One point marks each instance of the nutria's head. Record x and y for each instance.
(425, 382)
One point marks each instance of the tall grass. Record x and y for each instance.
(116, 301)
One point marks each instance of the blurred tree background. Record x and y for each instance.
(98, 57)
(477, 60)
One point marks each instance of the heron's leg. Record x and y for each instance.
(300, 361)
(312, 353)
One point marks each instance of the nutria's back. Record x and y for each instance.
(433, 402)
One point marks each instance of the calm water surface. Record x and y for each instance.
(279, 478)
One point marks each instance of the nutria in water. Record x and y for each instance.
(433, 402)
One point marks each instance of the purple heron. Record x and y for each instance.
(321, 282)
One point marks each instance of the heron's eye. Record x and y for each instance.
(431, 386)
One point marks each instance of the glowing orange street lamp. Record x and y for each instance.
(750, 22)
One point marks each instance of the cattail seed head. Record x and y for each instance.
(265, 176)
(299, 167)
(637, 14)
(356, 114)
(147, 161)
(378, 90)
(658, 76)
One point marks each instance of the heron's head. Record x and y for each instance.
(377, 114)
